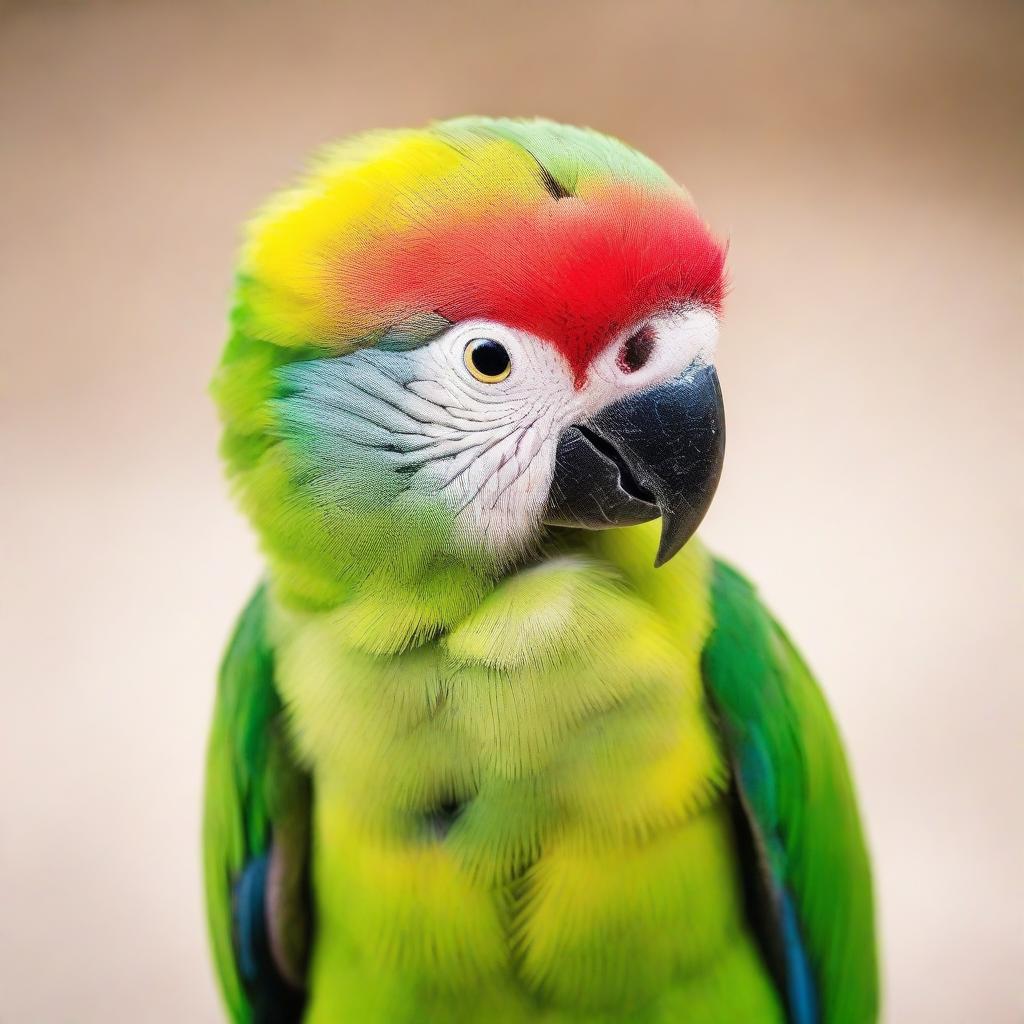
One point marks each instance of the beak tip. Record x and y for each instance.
(670, 545)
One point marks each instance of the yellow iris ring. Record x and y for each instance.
(481, 375)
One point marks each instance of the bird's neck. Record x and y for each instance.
(392, 598)
(545, 622)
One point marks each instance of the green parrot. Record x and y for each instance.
(497, 739)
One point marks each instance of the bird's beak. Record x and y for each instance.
(656, 453)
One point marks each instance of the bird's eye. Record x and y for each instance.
(488, 360)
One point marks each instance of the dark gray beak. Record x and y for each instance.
(657, 453)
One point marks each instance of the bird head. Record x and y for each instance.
(446, 341)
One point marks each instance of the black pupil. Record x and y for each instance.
(489, 357)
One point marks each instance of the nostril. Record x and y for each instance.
(636, 350)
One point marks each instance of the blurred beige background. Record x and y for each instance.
(867, 163)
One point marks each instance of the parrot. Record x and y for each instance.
(497, 738)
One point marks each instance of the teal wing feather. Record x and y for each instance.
(255, 835)
(800, 810)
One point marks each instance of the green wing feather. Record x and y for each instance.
(252, 790)
(797, 792)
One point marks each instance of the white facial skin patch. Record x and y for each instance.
(487, 448)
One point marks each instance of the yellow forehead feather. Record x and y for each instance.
(361, 191)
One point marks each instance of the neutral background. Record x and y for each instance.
(867, 163)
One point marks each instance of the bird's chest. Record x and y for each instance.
(585, 861)
(529, 809)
